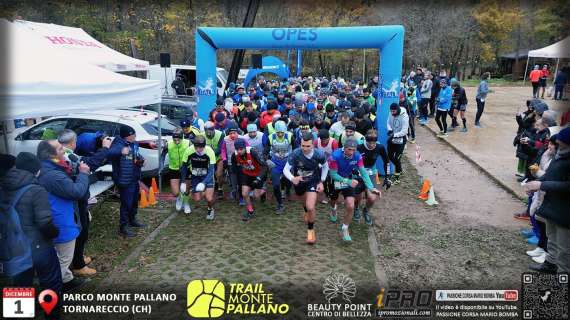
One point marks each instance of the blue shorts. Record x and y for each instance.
(195, 180)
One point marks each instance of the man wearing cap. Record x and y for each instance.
(350, 132)
(346, 166)
(556, 184)
(397, 126)
(214, 139)
(199, 159)
(189, 132)
(277, 149)
(254, 138)
(127, 163)
(250, 170)
(287, 107)
(239, 95)
(227, 150)
(176, 148)
(307, 169)
(35, 216)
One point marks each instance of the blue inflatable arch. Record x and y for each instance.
(388, 39)
(270, 64)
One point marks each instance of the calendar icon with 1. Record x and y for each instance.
(18, 302)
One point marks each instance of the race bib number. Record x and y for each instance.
(199, 172)
(398, 140)
(340, 185)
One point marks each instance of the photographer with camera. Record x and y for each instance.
(127, 163)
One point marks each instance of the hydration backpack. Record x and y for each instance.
(15, 248)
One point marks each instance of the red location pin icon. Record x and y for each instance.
(48, 300)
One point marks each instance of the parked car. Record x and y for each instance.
(107, 121)
(175, 109)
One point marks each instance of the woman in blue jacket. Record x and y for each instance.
(443, 106)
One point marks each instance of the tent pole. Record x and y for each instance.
(556, 72)
(159, 147)
(526, 68)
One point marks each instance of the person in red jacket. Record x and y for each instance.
(545, 74)
(267, 116)
(534, 77)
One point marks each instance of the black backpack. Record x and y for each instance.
(15, 248)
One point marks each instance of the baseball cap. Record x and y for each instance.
(252, 127)
(350, 143)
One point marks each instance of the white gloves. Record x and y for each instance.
(183, 187)
(200, 187)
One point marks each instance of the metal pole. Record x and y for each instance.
(5, 134)
(160, 143)
(364, 65)
(556, 72)
(526, 68)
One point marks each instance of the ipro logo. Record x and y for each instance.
(206, 298)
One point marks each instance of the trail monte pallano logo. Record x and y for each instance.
(207, 299)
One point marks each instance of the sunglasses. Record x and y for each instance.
(371, 139)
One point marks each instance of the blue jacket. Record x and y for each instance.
(63, 195)
(444, 98)
(125, 171)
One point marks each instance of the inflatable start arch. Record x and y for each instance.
(388, 39)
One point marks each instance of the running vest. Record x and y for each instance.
(256, 143)
(270, 128)
(280, 148)
(198, 164)
(176, 153)
(214, 142)
(327, 150)
(248, 165)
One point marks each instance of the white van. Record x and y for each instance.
(155, 72)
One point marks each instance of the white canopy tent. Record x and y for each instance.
(45, 81)
(560, 49)
(80, 44)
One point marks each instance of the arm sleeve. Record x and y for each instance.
(114, 151)
(210, 173)
(365, 178)
(62, 186)
(96, 160)
(287, 171)
(555, 186)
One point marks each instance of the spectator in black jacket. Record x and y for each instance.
(36, 219)
(556, 183)
(460, 105)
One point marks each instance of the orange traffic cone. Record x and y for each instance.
(143, 203)
(154, 186)
(151, 197)
(424, 192)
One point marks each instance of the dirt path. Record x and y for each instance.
(469, 240)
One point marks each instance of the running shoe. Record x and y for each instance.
(179, 202)
(396, 179)
(325, 201)
(345, 235)
(311, 237)
(464, 130)
(211, 214)
(413, 140)
(332, 215)
(356, 216)
(247, 215)
(187, 208)
(367, 217)
(279, 209)
(536, 252)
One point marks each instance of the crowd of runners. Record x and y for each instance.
(307, 135)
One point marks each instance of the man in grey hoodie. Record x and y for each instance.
(425, 92)
(398, 123)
